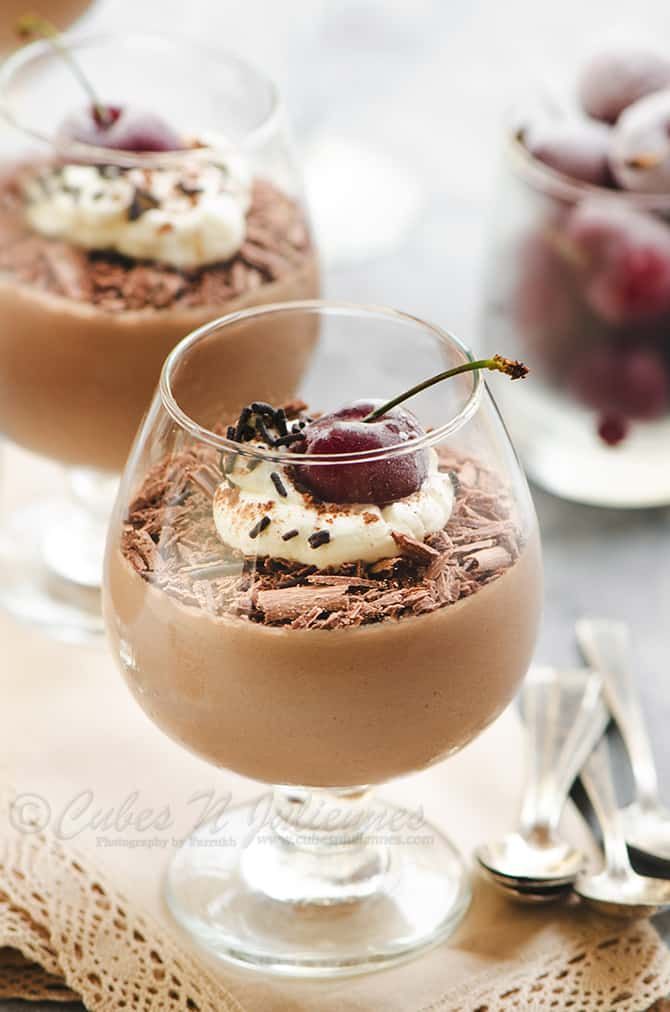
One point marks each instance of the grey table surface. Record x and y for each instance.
(427, 83)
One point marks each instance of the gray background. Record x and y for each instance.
(427, 82)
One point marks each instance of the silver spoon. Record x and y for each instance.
(617, 891)
(606, 646)
(564, 717)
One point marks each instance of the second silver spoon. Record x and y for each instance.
(617, 890)
(564, 717)
(606, 646)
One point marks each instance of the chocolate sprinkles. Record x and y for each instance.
(289, 439)
(262, 408)
(242, 426)
(258, 419)
(280, 422)
(262, 430)
(258, 528)
(278, 484)
(318, 538)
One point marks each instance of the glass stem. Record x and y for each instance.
(73, 546)
(316, 847)
(93, 491)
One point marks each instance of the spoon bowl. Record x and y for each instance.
(624, 895)
(534, 894)
(523, 862)
(617, 890)
(647, 830)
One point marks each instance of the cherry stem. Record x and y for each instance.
(510, 367)
(32, 26)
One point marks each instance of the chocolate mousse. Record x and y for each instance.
(107, 261)
(299, 640)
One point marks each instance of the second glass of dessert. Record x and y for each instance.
(147, 186)
(322, 594)
(579, 280)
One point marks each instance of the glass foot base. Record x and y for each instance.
(248, 895)
(50, 570)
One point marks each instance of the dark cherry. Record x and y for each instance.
(612, 429)
(645, 384)
(100, 124)
(545, 300)
(625, 260)
(631, 383)
(639, 156)
(615, 78)
(576, 148)
(594, 379)
(119, 128)
(344, 431)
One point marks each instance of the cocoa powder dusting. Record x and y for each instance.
(277, 243)
(170, 540)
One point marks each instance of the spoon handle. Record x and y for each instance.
(564, 716)
(606, 646)
(599, 784)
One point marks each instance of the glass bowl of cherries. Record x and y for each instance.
(578, 281)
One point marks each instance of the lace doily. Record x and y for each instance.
(625, 972)
(20, 978)
(68, 934)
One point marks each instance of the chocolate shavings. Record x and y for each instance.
(170, 540)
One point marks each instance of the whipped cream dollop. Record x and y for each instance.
(355, 531)
(186, 215)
